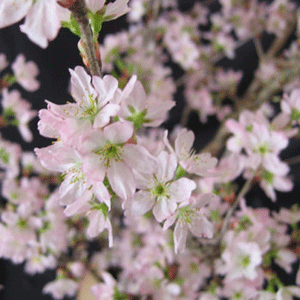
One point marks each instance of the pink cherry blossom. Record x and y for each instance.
(107, 153)
(61, 288)
(140, 109)
(21, 110)
(199, 164)
(25, 73)
(190, 217)
(98, 221)
(160, 192)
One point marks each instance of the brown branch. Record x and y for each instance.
(247, 102)
(245, 189)
(89, 54)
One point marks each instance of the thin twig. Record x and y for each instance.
(235, 204)
(185, 115)
(215, 145)
(293, 160)
(259, 48)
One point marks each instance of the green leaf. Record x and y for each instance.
(4, 155)
(137, 118)
(72, 25)
(96, 22)
(119, 295)
(180, 172)
(100, 206)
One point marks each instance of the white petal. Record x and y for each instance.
(139, 159)
(184, 143)
(167, 164)
(119, 132)
(42, 22)
(180, 235)
(201, 227)
(163, 209)
(121, 179)
(103, 117)
(140, 203)
(13, 11)
(181, 189)
(94, 5)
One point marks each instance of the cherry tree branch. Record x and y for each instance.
(248, 100)
(245, 189)
(87, 41)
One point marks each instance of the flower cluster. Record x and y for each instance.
(171, 222)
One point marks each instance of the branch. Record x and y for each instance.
(235, 204)
(87, 41)
(216, 144)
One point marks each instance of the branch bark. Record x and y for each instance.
(87, 41)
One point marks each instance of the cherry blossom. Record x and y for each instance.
(25, 73)
(161, 192)
(109, 151)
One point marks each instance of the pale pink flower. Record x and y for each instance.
(94, 5)
(37, 262)
(98, 221)
(141, 110)
(264, 146)
(9, 158)
(92, 101)
(116, 9)
(291, 105)
(76, 189)
(190, 217)
(288, 293)
(230, 167)
(201, 101)
(285, 259)
(77, 268)
(25, 73)
(137, 10)
(111, 10)
(200, 164)
(42, 22)
(106, 290)
(96, 103)
(270, 182)
(241, 258)
(20, 110)
(160, 192)
(288, 216)
(107, 153)
(61, 288)
(3, 62)
(267, 71)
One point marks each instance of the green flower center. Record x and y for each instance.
(245, 261)
(110, 152)
(160, 190)
(268, 177)
(263, 149)
(4, 156)
(295, 115)
(186, 215)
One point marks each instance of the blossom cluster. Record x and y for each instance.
(171, 222)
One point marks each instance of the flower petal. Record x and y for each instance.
(121, 179)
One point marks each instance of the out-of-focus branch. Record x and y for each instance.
(234, 205)
(255, 90)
